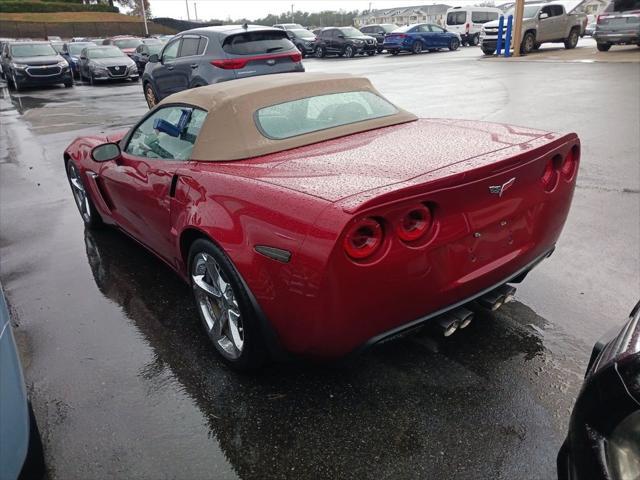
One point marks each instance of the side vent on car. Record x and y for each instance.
(275, 253)
(174, 183)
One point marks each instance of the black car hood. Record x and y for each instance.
(113, 62)
(39, 60)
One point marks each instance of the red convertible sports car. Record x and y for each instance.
(313, 216)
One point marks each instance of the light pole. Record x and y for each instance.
(186, 2)
(144, 18)
(292, 21)
(195, 10)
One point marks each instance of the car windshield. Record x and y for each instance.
(530, 11)
(151, 41)
(76, 47)
(350, 32)
(252, 43)
(127, 43)
(302, 33)
(32, 50)
(57, 46)
(106, 52)
(403, 29)
(311, 114)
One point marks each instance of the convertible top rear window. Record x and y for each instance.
(311, 114)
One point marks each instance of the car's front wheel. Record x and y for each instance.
(394, 51)
(319, 52)
(88, 212)
(224, 307)
(348, 51)
(150, 95)
(488, 51)
(603, 47)
(475, 40)
(528, 43)
(454, 44)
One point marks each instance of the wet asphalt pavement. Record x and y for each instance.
(125, 385)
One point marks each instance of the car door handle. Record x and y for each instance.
(194, 65)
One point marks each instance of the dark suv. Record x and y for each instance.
(378, 32)
(344, 41)
(207, 55)
(303, 39)
(33, 64)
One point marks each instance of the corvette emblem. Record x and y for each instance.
(500, 189)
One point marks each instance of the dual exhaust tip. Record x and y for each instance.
(458, 318)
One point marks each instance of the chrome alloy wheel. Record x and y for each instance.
(218, 306)
(79, 193)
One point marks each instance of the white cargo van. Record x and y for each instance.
(468, 21)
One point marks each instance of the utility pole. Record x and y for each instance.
(292, 21)
(517, 31)
(195, 10)
(186, 2)
(144, 18)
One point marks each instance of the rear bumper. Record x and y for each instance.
(395, 46)
(617, 38)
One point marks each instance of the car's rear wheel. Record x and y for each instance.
(488, 51)
(88, 212)
(319, 52)
(454, 44)
(603, 47)
(475, 40)
(416, 47)
(371, 53)
(224, 307)
(150, 95)
(348, 51)
(394, 51)
(572, 40)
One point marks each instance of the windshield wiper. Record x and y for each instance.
(273, 49)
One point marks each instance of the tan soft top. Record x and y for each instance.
(229, 132)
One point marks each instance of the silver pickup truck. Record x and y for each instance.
(542, 23)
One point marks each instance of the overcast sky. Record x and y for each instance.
(223, 9)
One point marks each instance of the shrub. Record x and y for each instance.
(50, 6)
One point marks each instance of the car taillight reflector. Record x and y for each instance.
(414, 224)
(550, 175)
(238, 63)
(363, 239)
(569, 166)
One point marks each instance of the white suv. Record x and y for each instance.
(468, 21)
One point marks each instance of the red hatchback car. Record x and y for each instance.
(313, 216)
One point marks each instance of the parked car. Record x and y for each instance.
(619, 24)
(542, 23)
(418, 37)
(32, 64)
(57, 46)
(125, 43)
(216, 54)
(344, 42)
(303, 39)
(378, 32)
(316, 31)
(21, 456)
(71, 53)
(289, 26)
(288, 204)
(143, 52)
(603, 442)
(102, 63)
(54, 38)
(468, 22)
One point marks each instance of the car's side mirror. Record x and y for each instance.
(106, 152)
(154, 58)
(543, 15)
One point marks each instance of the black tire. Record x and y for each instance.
(349, 51)
(528, 42)
(394, 52)
(416, 48)
(603, 47)
(33, 466)
(68, 84)
(136, 79)
(88, 212)
(319, 52)
(372, 53)
(150, 95)
(253, 353)
(536, 46)
(454, 44)
(488, 51)
(572, 40)
(475, 40)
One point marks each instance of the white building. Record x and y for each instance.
(404, 15)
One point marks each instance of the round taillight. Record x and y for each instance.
(363, 239)
(414, 224)
(550, 176)
(569, 166)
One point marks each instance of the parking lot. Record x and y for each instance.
(124, 381)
